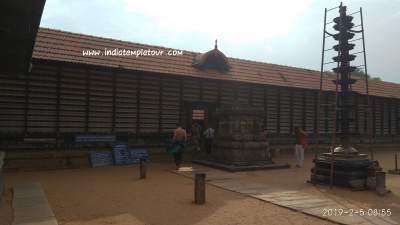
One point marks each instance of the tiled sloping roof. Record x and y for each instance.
(65, 46)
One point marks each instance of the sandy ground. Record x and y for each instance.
(115, 195)
(295, 178)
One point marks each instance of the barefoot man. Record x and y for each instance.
(178, 144)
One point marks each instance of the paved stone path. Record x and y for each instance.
(296, 200)
(30, 206)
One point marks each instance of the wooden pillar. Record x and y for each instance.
(201, 89)
(278, 114)
(58, 108)
(235, 94)
(138, 97)
(219, 93)
(382, 109)
(180, 100)
(160, 103)
(58, 87)
(326, 113)
(290, 110)
(200, 188)
(251, 95)
(26, 101)
(87, 99)
(367, 114)
(389, 107)
(114, 97)
(303, 110)
(397, 116)
(373, 116)
(356, 103)
(316, 111)
(265, 98)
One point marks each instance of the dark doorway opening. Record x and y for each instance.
(202, 113)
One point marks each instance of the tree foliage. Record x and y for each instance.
(360, 73)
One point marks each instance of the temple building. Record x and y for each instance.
(73, 89)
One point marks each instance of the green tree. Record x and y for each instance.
(360, 73)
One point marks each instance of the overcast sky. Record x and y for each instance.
(287, 32)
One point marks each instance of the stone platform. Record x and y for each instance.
(243, 167)
(297, 200)
(31, 206)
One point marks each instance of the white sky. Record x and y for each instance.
(285, 32)
(234, 21)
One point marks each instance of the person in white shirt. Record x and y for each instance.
(209, 138)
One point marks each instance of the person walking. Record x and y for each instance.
(196, 130)
(178, 145)
(300, 146)
(209, 138)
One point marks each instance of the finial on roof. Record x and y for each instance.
(216, 43)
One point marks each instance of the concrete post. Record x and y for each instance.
(142, 169)
(380, 183)
(200, 188)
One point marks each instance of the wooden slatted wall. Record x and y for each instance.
(297, 105)
(12, 104)
(272, 109)
(210, 91)
(41, 113)
(243, 94)
(170, 104)
(74, 99)
(149, 104)
(100, 101)
(126, 101)
(284, 120)
(397, 117)
(227, 93)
